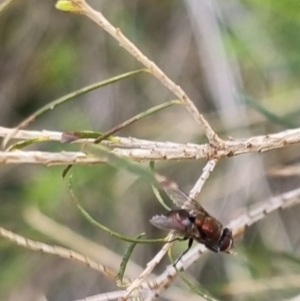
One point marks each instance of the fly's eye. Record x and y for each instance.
(226, 244)
(226, 241)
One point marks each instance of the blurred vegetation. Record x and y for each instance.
(45, 54)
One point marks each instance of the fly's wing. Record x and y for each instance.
(180, 199)
(177, 220)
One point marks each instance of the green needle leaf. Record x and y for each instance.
(195, 287)
(156, 191)
(125, 259)
(137, 118)
(22, 144)
(53, 104)
(119, 162)
(106, 229)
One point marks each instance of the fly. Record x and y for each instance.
(192, 222)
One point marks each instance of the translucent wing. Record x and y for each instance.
(177, 220)
(180, 199)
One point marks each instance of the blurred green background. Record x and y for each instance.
(239, 61)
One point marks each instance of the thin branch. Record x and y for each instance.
(83, 8)
(257, 213)
(143, 150)
(104, 297)
(258, 286)
(66, 236)
(207, 170)
(230, 148)
(47, 158)
(117, 141)
(150, 266)
(56, 250)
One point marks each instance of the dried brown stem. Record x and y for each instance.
(83, 8)
(56, 250)
(143, 150)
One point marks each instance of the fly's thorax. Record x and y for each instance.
(209, 227)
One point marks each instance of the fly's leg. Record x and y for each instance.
(178, 239)
(189, 246)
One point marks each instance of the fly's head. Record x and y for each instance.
(225, 243)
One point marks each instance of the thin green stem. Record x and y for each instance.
(136, 118)
(106, 229)
(68, 97)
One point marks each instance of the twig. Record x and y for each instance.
(83, 8)
(143, 150)
(66, 236)
(116, 142)
(207, 170)
(150, 266)
(104, 297)
(258, 286)
(230, 148)
(56, 250)
(47, 158)
(257, 213)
